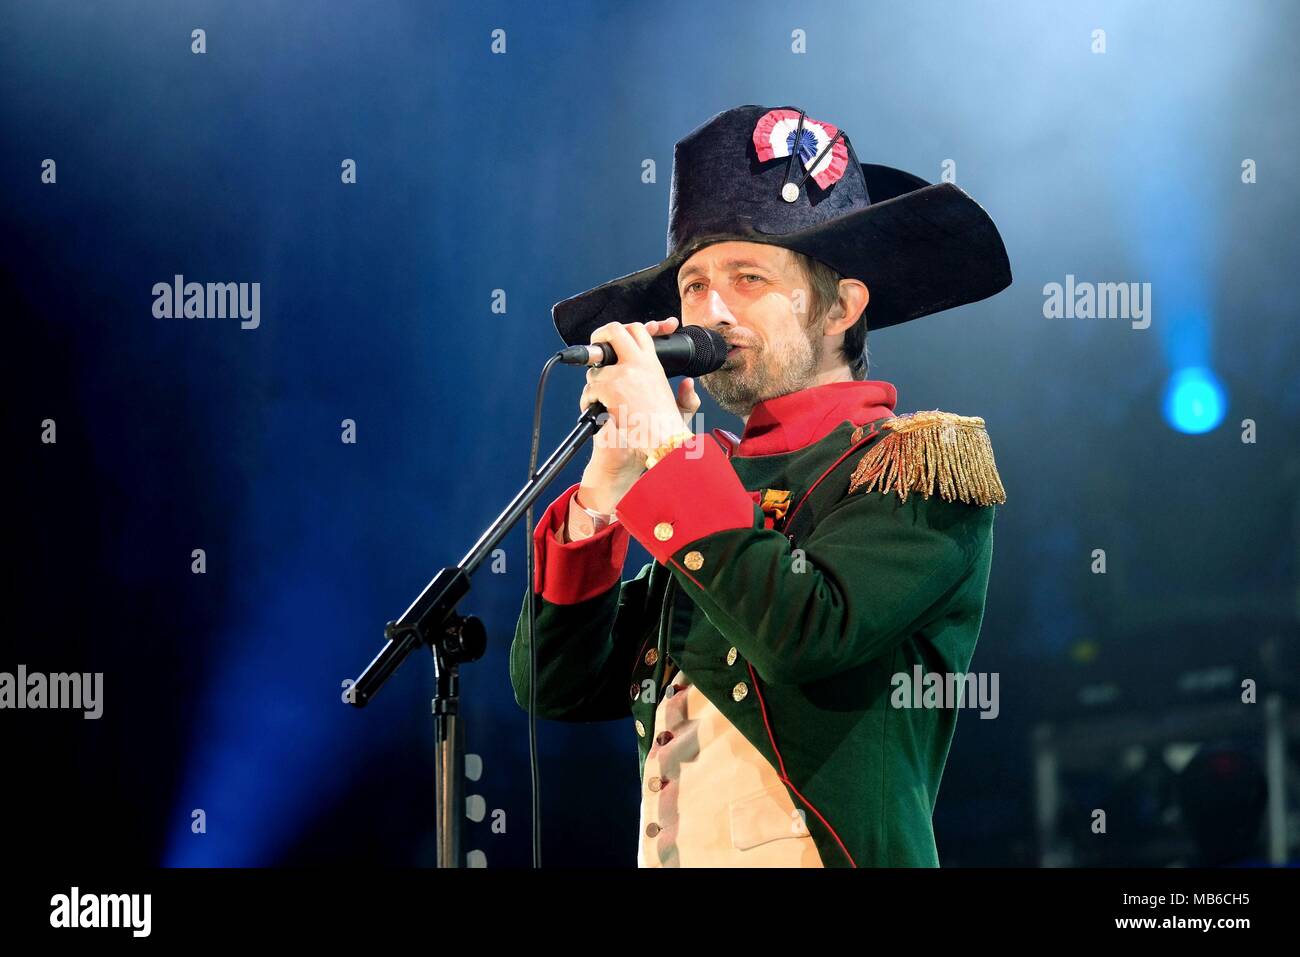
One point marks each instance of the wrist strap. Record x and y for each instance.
(598, 519)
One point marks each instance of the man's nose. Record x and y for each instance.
(719, 314)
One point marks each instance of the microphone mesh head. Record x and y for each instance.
(710, 351)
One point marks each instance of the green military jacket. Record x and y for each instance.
(792, 587)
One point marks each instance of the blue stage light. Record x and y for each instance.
(1195, 400)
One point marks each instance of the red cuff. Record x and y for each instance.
(569, 573)
(691, 493)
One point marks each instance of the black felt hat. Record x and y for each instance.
(919, 248)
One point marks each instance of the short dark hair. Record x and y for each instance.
(824, 292)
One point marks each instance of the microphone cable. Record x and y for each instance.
(532, 644)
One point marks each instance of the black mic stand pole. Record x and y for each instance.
(453, 639)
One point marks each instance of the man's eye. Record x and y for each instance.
(691, 286)
(752, 276)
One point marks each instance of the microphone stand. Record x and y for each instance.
(454, 639)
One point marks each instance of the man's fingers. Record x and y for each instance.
(641, 335)
(688, 400)
(617, 335)
(662, 327)
(634, 335)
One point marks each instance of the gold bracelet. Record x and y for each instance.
(661, 452)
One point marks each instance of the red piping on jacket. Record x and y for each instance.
(772, 738)
(785, 777)
(759, 691)
(852, 448)
(767, 725)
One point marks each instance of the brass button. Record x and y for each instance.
(652, 829)
(636, 690)
(640, 728)
(664, 531)
(694, 561)
(652, 656)
(731, 655)
(656, 783)
(740, 691)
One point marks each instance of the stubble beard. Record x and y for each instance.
(760, 372)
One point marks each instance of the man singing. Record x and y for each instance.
(802, 567)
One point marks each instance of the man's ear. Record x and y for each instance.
(854, 296)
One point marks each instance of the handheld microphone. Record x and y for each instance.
(692, 350)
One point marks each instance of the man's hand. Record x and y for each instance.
(643, 412)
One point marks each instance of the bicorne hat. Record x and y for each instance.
(778, 176)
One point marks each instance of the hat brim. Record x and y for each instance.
(919, 253)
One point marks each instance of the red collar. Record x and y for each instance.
(794, 421)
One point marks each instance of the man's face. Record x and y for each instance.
(755, 295)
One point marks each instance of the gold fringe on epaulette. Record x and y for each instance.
(925, 451)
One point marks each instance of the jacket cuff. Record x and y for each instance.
(574, 572)
(691, 493)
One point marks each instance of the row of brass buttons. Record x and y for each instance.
(693, 560)
(738, 693)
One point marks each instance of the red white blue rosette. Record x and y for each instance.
(774, 139)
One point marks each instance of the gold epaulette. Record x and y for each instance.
(925, 451)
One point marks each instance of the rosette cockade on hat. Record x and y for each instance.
(776, 175)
